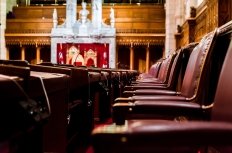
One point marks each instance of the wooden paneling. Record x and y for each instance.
(206, 20)
(225, 13)
(29, 24)
(137, 24)
(201, 28)
(212, 15)
(127, 16)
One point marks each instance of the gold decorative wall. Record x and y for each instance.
(133, 21)
(140, 25)
(206, 20)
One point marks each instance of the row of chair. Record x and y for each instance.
(190, 89)
(195, 119)
(49, 107)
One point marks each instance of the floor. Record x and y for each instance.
(85, 146)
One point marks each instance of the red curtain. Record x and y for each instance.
(101, 49)
(61, 53)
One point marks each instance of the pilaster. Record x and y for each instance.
(170, 43)
(2, 29)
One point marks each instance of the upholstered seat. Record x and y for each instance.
(175, 136)
(163, 74)
(193, 74)
(153, 72)
(175, 77)
(201, 91)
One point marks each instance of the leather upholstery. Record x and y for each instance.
(203, 97)
(176, 74)
(153, 72)
(164, 71)
(183, 136)
(193, 71)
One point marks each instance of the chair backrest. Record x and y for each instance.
(154, 70)
(210, 75)
(165, 68)
(196, 64)
(222, 105)
(175, 69)
(179, 66)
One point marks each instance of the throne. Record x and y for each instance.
(74, 57)
(90, 58)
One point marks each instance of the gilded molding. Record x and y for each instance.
(28, 41)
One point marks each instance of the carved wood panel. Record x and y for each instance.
(212, 15)
(225, 13)
(201, 22)
(207, 19)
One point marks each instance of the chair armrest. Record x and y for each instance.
(156, 109)
(156, 135)
(148, 80)
(145, 86)
(149, 92)
(150, 98)
(170, 109)
(123, 100)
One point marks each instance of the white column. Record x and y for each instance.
(2, 29)
(71, 11)
(170, 42)
(97, 13)
(55, 18)
(179, 14)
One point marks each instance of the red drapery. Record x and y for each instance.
(64, 50)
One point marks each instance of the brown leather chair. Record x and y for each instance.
(176, 74)
(163, 74)
(148, 136)
(203, 90)
(153, 71)
(191, 79)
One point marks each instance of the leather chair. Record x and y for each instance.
(164, 72)
(176, 74)
(175, 136)
(153, 72)
(191, 79)
(202, 94)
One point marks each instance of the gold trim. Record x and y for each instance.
(208, 47)
(207, 106)
(181, 119)
(140, 35)
(112, 128)
(201, 12)
(28, 35)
